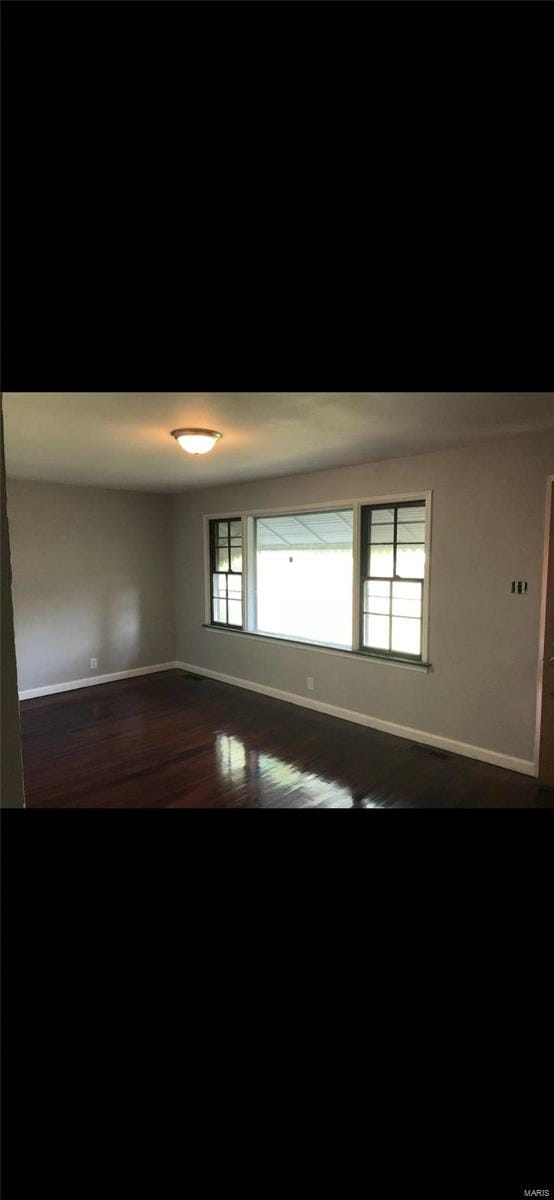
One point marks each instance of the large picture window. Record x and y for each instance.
(304, 576)
(352, 578)
(226, 572)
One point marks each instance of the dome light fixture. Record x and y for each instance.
(196, 441)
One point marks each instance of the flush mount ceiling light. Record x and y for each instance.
(196, 441)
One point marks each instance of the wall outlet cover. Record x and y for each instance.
(93, 664)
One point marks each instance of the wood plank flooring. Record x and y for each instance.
(177, 741)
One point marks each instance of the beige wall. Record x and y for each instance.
(11, 790)
(488, 528)
(92, 577)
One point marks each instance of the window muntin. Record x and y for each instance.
(304, 572)
(226, 605)
(392, 578)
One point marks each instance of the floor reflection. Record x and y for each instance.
(175, 741)
(231, 758)
(274, 782)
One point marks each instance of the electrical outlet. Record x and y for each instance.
(310, 683)
(93, 664)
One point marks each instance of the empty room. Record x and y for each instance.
(282, 600)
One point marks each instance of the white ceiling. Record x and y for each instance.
(122, 439)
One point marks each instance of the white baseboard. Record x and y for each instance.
(523, 765)
(510, 763)
(52, 688)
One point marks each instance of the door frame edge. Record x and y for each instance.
(542, 618)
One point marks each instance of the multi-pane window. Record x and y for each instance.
(226, 572)
(392, 576)
(351, 577)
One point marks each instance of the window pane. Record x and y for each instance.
(376, 632)
(378, 587)
(415, 512)
(220, 585)
(406, 635)
(222, 531)
(304, 576)
(376, 604)
(236, 560)
(382, 533)
(406, 608)
(407, 591)
(234, 585)
(222, 560)
(236, 529)
(411, 532)
(235, 612)
(381, 560)
(410, 561)
(305, 529)
(382, 515)
(220, 610)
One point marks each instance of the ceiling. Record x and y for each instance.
(122, 439)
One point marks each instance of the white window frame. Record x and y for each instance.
(249, 576)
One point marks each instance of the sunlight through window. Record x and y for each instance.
(304, 577)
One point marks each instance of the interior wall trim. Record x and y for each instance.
(542, 619)
(93, 681)
(510, 763)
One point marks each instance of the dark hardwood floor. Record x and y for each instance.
(177, 741)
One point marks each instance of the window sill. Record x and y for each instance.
(359, 655)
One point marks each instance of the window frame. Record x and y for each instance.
(213, 570)
(248, 629)
(365, 545)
